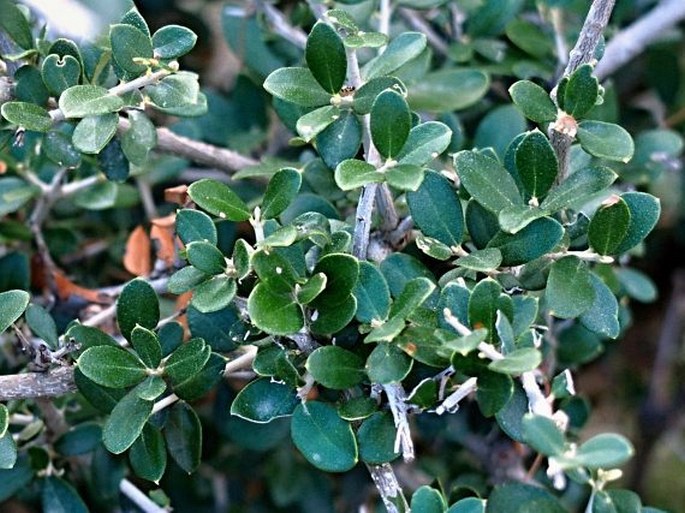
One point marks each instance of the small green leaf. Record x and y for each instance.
(518, 361)
(494, 391)
(206, 257)
(185, 279)
(88, 100)
(8, 452)
(335, 367)
(323, 438)
(58, 148)
(580, 93)
(533, 101)
(414, 293)
(578, 188)
(14, 192)
(427, 500)
(298, 86)
(178, 94)
(264, 400)
(139, 139)
(126, 422)
(486, 180)
(93, 133)
(173, 41)
(602, 316)
(341, 140)
(608, 450)
(311, 289)
(609, 226)
(482, 260)
(536, 164)
(214, 294)
(183, 434)
(468, 505)
(4, 419)
(367, 93)
(569, 291)
(193, 225)
(532, 499)
(405, 177)
(448, 90)
(399, 51)
(425, 143)
(313, 123)
(352, 173)
(42, 324)
(606, 140)
(151, 388)
(543, 435)
(80, 439)
(325, 56)
(376, 438)
(59, 496)
(187, 360)
(137, 304)
(388, 364)
(14, 22)
(390, 123)
(357, 408)
(272, 313)
(483, 306)
(281, 191)
(148, 454)
(637, 285)
(146, 344)
(274, 271)
(342, 272)
(372, 293)
(112, 367)
(218, 199)
(645, 210)
(128, 44)
(27, 115)
(60, 73)
(533, 241)
(386, 332)
(436, 210)
(113, 162)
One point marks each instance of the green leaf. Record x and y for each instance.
(186, 361)
(390, 123)
(264, 400)
(482, 260)
(468, 505)
(193, 225)
(533, 241)
(206, 257)
(376, 438)
(325, 56)
(427, 500)
(195, 387)
(14, 22)
(128, 44)
(14, 193)
(313, 123)
(274, 270)
(135, 19)
(414, 293)
(448, 90)
(93, 133)
(178, 94)
(323, 438)
(42, 324)
(388, 364)
(81, 101)
(436, 210)
(146, 344)
(173, 41)
(494, 391)
(405, 177)
(4, 420)
(214, 294)
(483, 306)
(58, 148)
(60, 73)
(112, 367)
(645, 210)
(367, 93)
(183, 434)
(151, 388)
(137, 304)
(113, 162)
(609, 226)
(298, 86)
(185, 279)
(352, 173)
(80, 439)
(578, 188)
(139, 139)
(533, 101)
(527, 498)
(272, 313)
(386, 332)
(332, 318)
(580, 93)
(126, 422)
(499, 128)
(518, 361)
(12, 305)
(342, 272)
(433, 247)
(59, 496)
(486, 180)
(399, 51)
(27, 115)
(372, 293)
(357, 408)
(608, 450)
(425, 143)
(602, 316)
(536, 164)
(341, 140)
(335, 367)
(365, 40)
(218, 199)
(569, 291)
(543, 435)
(637, 285)
(148, 454)
(606, 140)
(8, 452)
(311, 289)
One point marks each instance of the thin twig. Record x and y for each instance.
(139, 498)
(416, 21)
(243, 361)
(280, 25)
(451, 402)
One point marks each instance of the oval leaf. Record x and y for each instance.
(390, 123)
(325, 56)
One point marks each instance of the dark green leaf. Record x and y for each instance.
(483, 306)
(172, 41)
(580, 93)
(218, 199)
(274, 271)
(387, 364)
(323, 438)
(414, 293)
(357, 408)
(483, 260)
(325, 56)
(137, 304)
(281, 191)
(543, 435)
(214, 294)
(128, 45)
(264, 400)
(80, 439)
(60, 73)
(607, 450)
(126, 422)
(58, 148)
(644, 214)
(578, 188)
(342, 272)
(206, 257)
(468, 505)
(569, 290)
(27, 115)
(335, 367)
(376, 438)
(536, 164)
(448, 90)
(148, 454)
(390, 123)
(42, 324)
(341, 140)
(14, 192)
(113, 161)
(309, 291)
(606, 140)
(333, 317)
(427, 500)
(272, 313)
(146, 344)
(372, 293)
(533, 101)
(399, 51)
(93, 133)
(81, 101)
(113, 367)
(185, 279)
(186, 361)
(533, 241)
(367, 93)
(405, 177)
(139, 139)
(528, 499)
(4, 419)
(197, 386)
(8, 451)
(493, 392)
(602, 316)
(499, 128)
(58, 496)
(193, 225)
(298, 86)
(183, 434)
(425, 143)
(13, 21)
(609, 226)
(436, 210)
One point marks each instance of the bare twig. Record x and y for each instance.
(451, 402)
(632, 40)
(389, 488)
(242, 361)
(416, 21)
(53, 383)
(280, 25)
(139, 498)
(398, 407)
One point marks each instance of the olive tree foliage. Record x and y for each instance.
(407, 280)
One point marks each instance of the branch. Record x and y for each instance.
(139, 498)
(280, 25)
(391, 493)
(632, 40)
(416, 21)
(53, 383)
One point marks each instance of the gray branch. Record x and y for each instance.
(31, 385)
(595, 23)
(632, 40)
